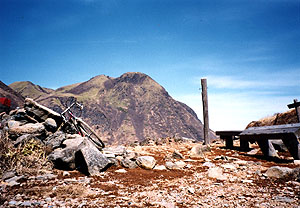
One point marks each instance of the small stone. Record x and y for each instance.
(199, 150)
(191, 190)
(8, 174)
(241, 162)
(253, 152)
(48, 199)
(228, 166)
(47, 176)
(180, 164)
(177, 155)
(50, 124)
(26, 204)
(130, 155)
(278, 172)
(247, 181)
(126, 163)
(147, 162)
(297, 162)
(216, 173)
(12, 203)
(66, 173)
(284, 199)
(121, 171)
(170, 165)
(209, 164)
(118, 150)
(159, 167)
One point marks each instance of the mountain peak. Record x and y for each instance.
(129, 108)
(133, 77)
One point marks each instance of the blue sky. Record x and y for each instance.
(249, 50)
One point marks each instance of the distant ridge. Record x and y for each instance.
(124, 109)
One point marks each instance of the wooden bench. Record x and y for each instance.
(288, 133)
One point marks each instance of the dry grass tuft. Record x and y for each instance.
(29, 158)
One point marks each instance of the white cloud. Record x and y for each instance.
(231, 111)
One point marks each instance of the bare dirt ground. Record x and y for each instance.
(244, 183)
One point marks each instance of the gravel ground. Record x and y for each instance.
(241, 183)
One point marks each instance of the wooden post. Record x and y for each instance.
(296, 105)
(205, 111)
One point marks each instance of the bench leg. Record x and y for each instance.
(293, 146)
(228, 142)
(267, 148)
(244, 145)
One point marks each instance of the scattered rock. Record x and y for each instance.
(216, 173)
(297, 162)
(253, 152)
(127, 163)
(130, 155)
(50, 125)
(30, 128)
(47, 176)
(177, 155)
(55, 140)
(14, 180)
(209, 164)
(23, 139)
(26, 204)
(66, 173)
(118, 150)
(160, 167)
(180, 164)
(284, 199)
(121, 171)
(147, 162)
(228, 166)
(278, 172)
(199, 150)
(13, 123)
(8, 175)
(170, 165)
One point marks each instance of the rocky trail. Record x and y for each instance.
(215, 178)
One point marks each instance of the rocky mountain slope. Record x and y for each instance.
(28, 89)
(17, 100)
(123, 110)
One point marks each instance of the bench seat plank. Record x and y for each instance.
(273, 130)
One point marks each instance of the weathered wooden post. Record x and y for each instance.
(296, 105)
(205, 110)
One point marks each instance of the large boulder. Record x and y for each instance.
(90, 159)
(64, 158)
